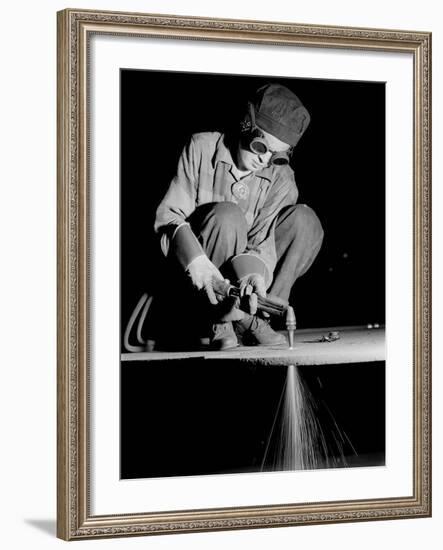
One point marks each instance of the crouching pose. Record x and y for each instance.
(231, 212)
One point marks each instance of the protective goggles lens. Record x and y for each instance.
(257, 145)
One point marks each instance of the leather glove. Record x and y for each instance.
(251, 286)
(201, 271)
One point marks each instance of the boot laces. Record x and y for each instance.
(219, 329)
(259, 325)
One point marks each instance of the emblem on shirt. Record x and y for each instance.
(240, 190)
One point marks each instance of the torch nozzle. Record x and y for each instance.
(291, 325)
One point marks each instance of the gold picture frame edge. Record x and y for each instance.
(73, 519)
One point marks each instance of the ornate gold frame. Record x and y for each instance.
(74, 29)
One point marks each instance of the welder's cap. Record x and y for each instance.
(279, 112)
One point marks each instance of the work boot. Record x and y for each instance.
(255, 331)
(223, 337)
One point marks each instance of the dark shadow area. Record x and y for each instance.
(48, 526)
(200, 417)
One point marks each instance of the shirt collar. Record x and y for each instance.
(223, 154)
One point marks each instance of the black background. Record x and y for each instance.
(200, 418)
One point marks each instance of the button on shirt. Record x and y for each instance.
(206, 173)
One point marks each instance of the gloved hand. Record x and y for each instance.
(252, 285)
(201, 271)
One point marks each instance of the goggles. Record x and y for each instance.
(254, 140)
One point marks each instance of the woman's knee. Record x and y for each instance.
(225, 217)
(301, 217)
(228, 213)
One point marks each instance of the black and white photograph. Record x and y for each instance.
(252, 274)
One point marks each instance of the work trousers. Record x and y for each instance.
(179, 313)
(222, 231)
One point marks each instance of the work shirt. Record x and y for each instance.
(206, 173)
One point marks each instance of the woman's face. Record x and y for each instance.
(247, 160)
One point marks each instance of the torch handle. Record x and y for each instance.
(271, 304)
